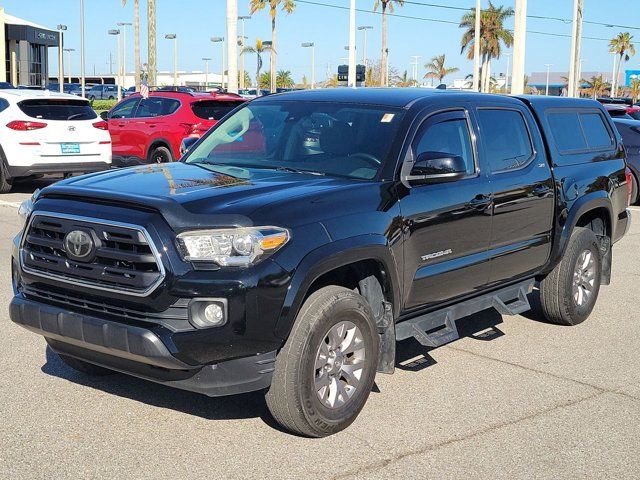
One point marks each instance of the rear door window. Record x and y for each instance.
(212, 109)
(57, 109)
(507, 143)
(157, 107)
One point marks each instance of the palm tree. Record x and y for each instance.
(383, 5)
(288, 6)
(622, 46)
(635, 89)
(151, 39)
(596, 87)
(404, 80)
(264, 81)
(437, 68)
(284, 79)
(136, 40)
(493, 35)
(259, 49)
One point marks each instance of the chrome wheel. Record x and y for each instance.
(339, 364)
(584, 278)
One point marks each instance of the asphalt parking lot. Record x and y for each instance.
(515, 398)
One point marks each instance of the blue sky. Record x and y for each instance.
(195, 21)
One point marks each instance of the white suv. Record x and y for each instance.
(43, 132)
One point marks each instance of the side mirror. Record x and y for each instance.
(186, 144)
(104, 115)
(437, 167)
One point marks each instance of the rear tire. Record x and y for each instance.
(634, 189)
(6, 183)
(160, 155)
(569, 293)
(85, 367)
(326, 369)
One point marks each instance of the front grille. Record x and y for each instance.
(123, 258)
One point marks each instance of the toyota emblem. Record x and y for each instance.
(71, 128)
(79, 245)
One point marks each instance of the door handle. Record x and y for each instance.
(121, 124)
(541, 190)
(480, 202)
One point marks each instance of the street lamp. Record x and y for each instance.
(352, 44)
(364, 29)
(124, 26)
(206, 72)
(115, 32)
(82, 82)
(174, 37)
(312, 46)
(220, 40)
(69, 50)
(61, 28)
(242, 18)
(506, 80)
(548, 65)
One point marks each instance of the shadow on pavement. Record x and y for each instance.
(29, 185)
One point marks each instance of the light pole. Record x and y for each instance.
(312, 46)
(220, 40)
(548, 65)
(206, 72)
(232, 47)
(69, 50)
(576, 38)
(519, 47)
(124, 26)
(506, 80)
(174, 37)
(476, 49)
(61, 28)
(242, 18)
(352, 44)
(82, 47)
(414, 65)
(115, 32)
(364, 29)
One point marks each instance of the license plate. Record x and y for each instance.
(70, 148)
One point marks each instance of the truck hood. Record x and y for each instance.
(185, 193)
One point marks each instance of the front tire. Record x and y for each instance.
(160, 155)
(634, 190)
(326, 370)
(6, 183)
(569, 293)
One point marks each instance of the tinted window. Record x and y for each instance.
(3, 104)
(595, 130)
(157, 107)
(212, 110)
(450, 137)
(506, 139)
(54, 109)
(125, 109)
(566, 131)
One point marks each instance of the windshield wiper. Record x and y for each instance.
(75, 115)
(297, 170)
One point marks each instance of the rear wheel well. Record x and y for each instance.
(598, 221)
(159, 143)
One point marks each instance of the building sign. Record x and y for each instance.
(34, 35)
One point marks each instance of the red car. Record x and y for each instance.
(150, 130)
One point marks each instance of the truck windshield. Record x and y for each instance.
(343, 140)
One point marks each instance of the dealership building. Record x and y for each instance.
(24, 46)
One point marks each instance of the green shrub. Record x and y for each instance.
(102, 105)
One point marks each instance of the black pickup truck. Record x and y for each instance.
(305, 234)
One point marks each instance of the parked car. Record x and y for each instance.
(103, 92)
(45, 133)
(634, 112)
(151, 130)
(630, 131)
(259, 263)
(129, 91)
(617, 110)
(6, 86)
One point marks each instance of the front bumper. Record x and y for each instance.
(138, 351)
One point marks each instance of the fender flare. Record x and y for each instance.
(160, 141)
(591, 201)
(329, 257)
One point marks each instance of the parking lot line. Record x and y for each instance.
(9, 204)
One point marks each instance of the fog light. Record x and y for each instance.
(213, 313)
(206, 313)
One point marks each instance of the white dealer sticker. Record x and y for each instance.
(387, 117)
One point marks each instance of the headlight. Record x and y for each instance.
(232, 247)
(26, 207)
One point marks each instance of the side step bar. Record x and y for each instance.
(438, 328)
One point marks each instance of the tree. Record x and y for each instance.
(264, 81)
(622, 46)
(284, 79)
(373, 74)
(437, 68)
(384, 5)
(404, 80)
(288, 6)
(596, 87)
(259, 49)
(136, 40)
(634, 90)
(493, 35)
